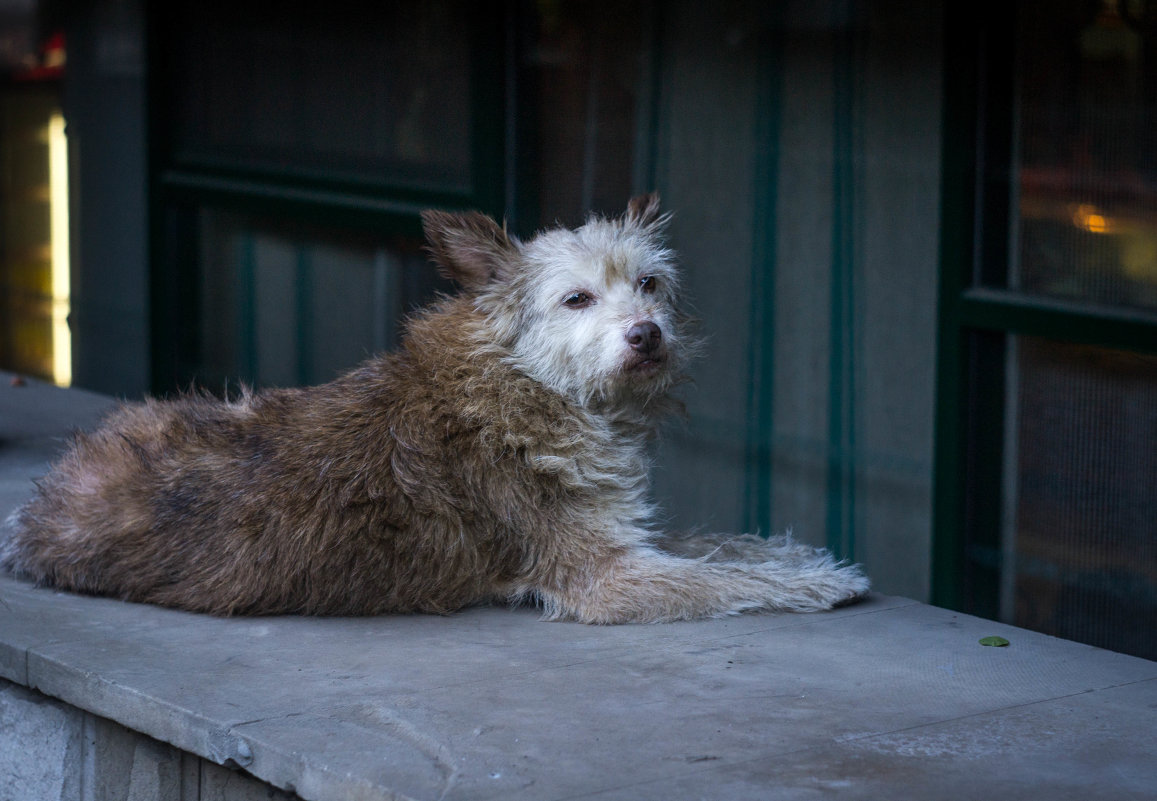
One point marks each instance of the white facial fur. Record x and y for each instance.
(581, 348)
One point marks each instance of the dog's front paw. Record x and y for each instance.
(847, 585)
(816, 585)
(857, 589)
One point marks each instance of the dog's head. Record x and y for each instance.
(589, 312)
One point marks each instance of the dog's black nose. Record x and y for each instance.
(644, 336)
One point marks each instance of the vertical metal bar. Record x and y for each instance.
(591, 128)
(174, 315)
(761, 311)
(983, 450)
(644, 161)
(841, 489)
(659, 154)
(303, 300)
(490, 112)
(510, 140)
(959, 220)
(385, 303)
(246, 305)
(974, 251)
(1010, 473)
(1009, 267)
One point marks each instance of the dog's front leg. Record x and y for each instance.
(749, 548)
(643, 585)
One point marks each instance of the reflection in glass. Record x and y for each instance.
(379, 96)
(284, 306)
(1087, 179)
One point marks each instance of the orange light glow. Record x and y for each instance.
(1086, 217)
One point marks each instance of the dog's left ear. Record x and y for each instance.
(643, 210)
(469, 248)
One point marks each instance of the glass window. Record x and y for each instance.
(1080, 543)
(1086, 220)
(585, 68)
(382, 95)
(1056, 390)
(285, 305)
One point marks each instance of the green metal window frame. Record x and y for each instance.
(976, 315)
(177, 188)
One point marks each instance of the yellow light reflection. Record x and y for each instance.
(58, 201)
(1088, 218)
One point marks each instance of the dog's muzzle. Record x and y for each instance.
(646, 340)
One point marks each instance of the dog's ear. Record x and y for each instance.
(469, 248)
(643, 210)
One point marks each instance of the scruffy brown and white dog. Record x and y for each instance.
(499, 454)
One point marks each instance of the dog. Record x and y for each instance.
(499, 455)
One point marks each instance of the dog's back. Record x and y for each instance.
(382, 491)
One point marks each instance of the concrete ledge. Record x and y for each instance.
(49, 749)
(886, 699)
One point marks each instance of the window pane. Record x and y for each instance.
(377, 93)
(1081, 559)
(1087, 180)
(584, 67)
(279, 306)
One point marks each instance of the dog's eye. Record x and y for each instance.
(648, 284)
(578, 300)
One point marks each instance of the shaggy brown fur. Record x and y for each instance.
(498, 455)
